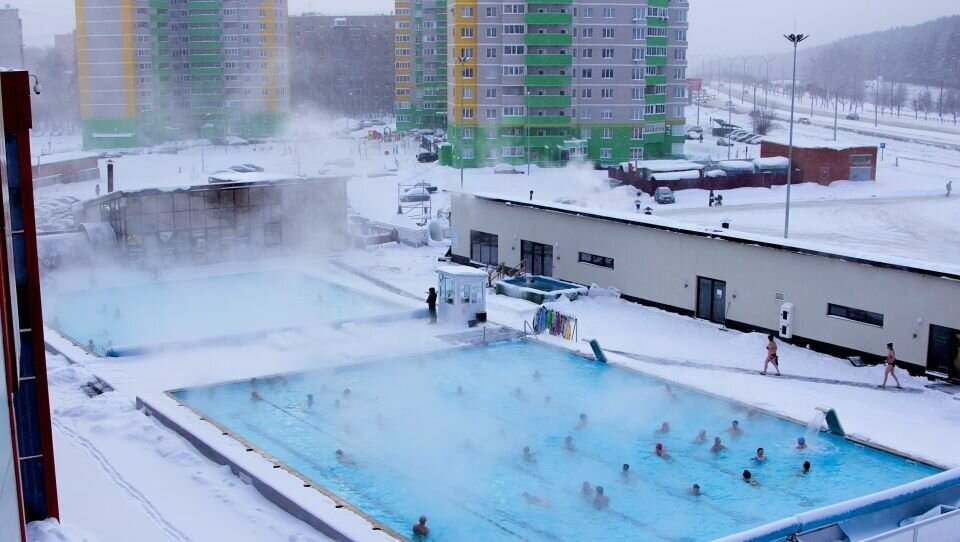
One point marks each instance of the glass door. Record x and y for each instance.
(537, 258)
(711, 299)
(943, 352)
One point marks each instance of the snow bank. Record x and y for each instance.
(772, 162)
(666, 165)
(675, 175)
(50, 530)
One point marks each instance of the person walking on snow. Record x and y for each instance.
(891, 364)
(949, 188)
(432, 304)
(771, 356)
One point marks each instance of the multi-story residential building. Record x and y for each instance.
(343, 64)
(152, 71)
(66, 47)
(553, 80)
(11, 39)
(420, 55)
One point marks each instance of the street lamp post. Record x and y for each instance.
(836, 108)
(813, 84)
(795, 39)
(462, 60)
(876, 99)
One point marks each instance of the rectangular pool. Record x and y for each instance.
(194, 309)
(418, 446)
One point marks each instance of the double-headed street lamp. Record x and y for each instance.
(462, 60)
(795, 39)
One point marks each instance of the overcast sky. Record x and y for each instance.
(716, 26)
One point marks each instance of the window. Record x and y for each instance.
(606, 93)
(679, 92)
(606, 114)
(514, 49)
(606, 52)
(609, 13)
(588, 12)
(636, 93)
(608, 33)
(593, 259)
(491, 93)
(586, 93)
(861, 160)
(467, 153)
(467, 133)
(680, 73)
(636, 74)
(516, 9)
(491, 133)
(491, 12)
(491, 113)
(637, 133)
(491, 52)
(468, 73)
(586, 73)
(640, 33)
(606, 73)
(466, 12)
(513, 29)
(606, 133)
(637, 53)
(514, 111)
(857, 315)
(587, 32)
(680, 35)
(679, 54)
(466, 32)
(491, 32)
(483, 247)
(514, 70)
(467, 113)
(606, 153)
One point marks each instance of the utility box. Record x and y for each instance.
(461, 294)
(786, 321)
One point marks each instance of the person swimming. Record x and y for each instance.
(582, 421)
(659, 451)
(309, 400)
(518, 393)
(601, 501)
(694, 490)
(734, 429)
(343, 458)
(536, 374)
(664, 428)
(625, 472)
(346, 393)
(701, 436)
(568, 444)
(717, 446)
(748, 478)
(254, 396)
(805, 468)
(421, 529)
(528, 455)
(536, 501)
(760, 457)
(460, 390)
(586, 490)
(801, 443)
(336, 403)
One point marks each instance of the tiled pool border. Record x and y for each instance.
(301, 512)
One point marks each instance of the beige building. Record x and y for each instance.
(11, 38)
(833, 302)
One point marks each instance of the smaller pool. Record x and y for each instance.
(191, 310)
(539, 289)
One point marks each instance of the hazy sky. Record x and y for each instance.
(716, 26)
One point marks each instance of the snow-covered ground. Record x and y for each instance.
(151, 482)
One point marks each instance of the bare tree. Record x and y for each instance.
(762, 121)
(925, 99)
(898, 98)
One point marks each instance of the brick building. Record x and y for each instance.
(828, 163)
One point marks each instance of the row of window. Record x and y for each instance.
(637, 33)
(484, 247)
(586, 113)
(587, 12)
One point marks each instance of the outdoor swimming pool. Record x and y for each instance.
(202, 308)
(420, 447)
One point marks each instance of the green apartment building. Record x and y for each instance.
(557, 80)
(421, 64)
(151, 71)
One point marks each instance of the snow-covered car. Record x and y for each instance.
(505, 169)
(417, 193)
(253, 167)
(663, 195)
(853, 116)
(424, 184)
(724, 142)
(803, 120)
(242, 169)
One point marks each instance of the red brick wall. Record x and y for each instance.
(822, 166)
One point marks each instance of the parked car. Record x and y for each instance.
(663, 195)
(427, 157)
(724, 142)
(253, 167)
(242, 169)
(853, 116)
(415, 194)
(505, 169)
(803, 120)
(423, 184)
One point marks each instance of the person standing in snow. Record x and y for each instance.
(771, 356)
(711, 199)
(949, 188)
(432, 304)
(891, 364)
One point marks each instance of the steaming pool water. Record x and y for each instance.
(417, 446)
(203, 308)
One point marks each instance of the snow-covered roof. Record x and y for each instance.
(808, 142)
(62, 157)
(667, 165)
(676, 175)
(716, 173)
(772, 161)
(736, 164)
(251, 176)
(461, 271)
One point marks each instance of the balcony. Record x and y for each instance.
(655, 79)
(656, 60)
(548, 2)
(655, 99)
(549, 18)
(549, 121)
(548, 80)
(548, 101)
(549, 60)
(548, 39)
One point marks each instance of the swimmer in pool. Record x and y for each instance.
(664, 428)
(518, 393)
(660, 452)
(421, 529)
(254, 396)
(528, 455)
(748, 478)
(460, 390)
(346, 393)
(805, 468)
(309, 400)
(734, 429)
(701, 436)
(601, 501)
(625, 472)
(536, 501)
(760, 457)
(717, 446)
(536, 374)
(568, 444)
(695, 490)
(582, 422)
(801, 443)
(586, 490)
(344, 458)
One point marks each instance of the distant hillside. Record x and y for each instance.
(927, 54)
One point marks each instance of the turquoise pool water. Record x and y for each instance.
(420, 447)
(544, 284)
(202, 308)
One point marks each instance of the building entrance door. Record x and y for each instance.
(712, 299)
(943, 352)
(537, 258)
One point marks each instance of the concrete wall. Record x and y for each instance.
(661, 267)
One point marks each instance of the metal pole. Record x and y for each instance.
(526, 110)
(876, 100)
(795, 39)
(836, 112)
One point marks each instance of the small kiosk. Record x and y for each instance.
(461, 294)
